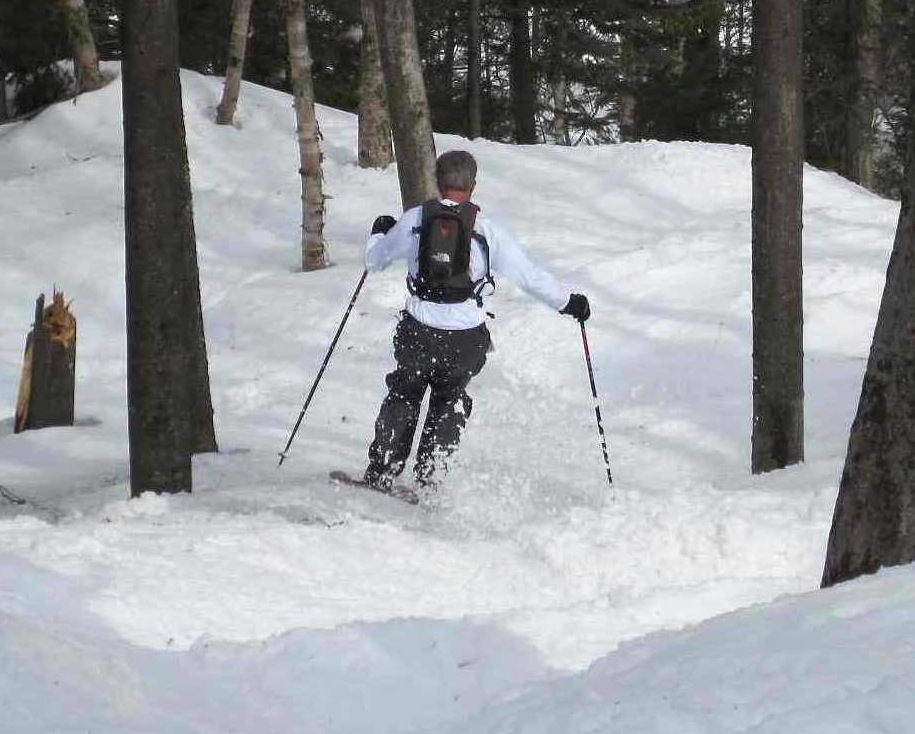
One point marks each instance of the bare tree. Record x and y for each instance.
(167, 378)
(375, 149)
(85, 56)
(861, 116)
(310, 157)
(474, 71)
(778, 333)
(414, 146)
(241, 18)
(874, 520)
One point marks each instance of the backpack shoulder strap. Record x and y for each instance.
(428, 206)
(487, 280)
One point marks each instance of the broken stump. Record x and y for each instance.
(48, 382)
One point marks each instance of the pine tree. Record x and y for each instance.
(875, 510)
(33, 38)
(474, 70)
(523, 91)
(778, 348)
(860, 120)
(170, 414)
(414, 146)
(159, 229)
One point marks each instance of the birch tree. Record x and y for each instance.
(241, 19)
(308, 136)
(778, 338)
(85, 56)
(375, 149)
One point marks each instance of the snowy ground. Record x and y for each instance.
(270, 600)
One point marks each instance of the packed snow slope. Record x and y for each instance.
(271, 600)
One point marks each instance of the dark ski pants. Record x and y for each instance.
(444, 361)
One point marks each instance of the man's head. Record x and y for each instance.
(456, 173)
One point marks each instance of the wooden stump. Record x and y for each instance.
(47, 386)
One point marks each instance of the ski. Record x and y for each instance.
(398, 491)
(11, 496)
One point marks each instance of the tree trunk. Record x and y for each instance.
(559, 88)
(874, 520)
(85, 56)
(474, 74)
(559, 127)
(169, 409)
(627, 115)
(4, 103)
(375, 149)
(778, 347)
(859, 159)
(156, 218)
(241, 18)
(524, 103)
(310, 158)
(414, 146)
(203, 432)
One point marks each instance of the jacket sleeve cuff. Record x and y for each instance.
(373, 259)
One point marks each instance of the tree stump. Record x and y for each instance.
(47, 386)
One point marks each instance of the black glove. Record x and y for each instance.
(383, 224)
(577, 307)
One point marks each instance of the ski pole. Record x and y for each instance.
(600, 424)
(314, 386)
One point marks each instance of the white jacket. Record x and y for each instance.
(507, 258)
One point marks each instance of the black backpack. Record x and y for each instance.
(445, 233)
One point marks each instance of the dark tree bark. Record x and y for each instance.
(203, 432)
(241, 19)
(85, 56)
(169, 410)
(557, 26)
(375, 149)
(4, 104)
(523, 94)
(874, 520)
(310, 157)
(414, 146)
(859, 158)
(559, 131)
(474, 73)
(778, 348)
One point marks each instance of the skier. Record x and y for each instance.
(441, 340)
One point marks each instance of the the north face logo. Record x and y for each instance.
(443, 257)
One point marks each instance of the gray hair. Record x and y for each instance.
(455, 170)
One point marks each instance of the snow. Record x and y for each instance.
(531, 597)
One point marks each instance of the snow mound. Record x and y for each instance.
(271, 599)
